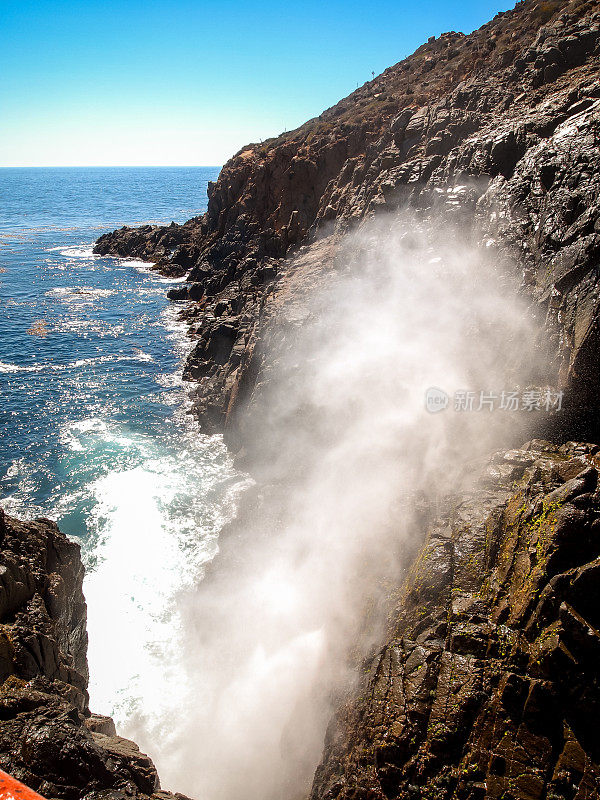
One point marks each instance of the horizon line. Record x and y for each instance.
(111, 166)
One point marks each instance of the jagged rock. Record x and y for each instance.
(48, 738)
(487, 685)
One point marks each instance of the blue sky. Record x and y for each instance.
(155, 82)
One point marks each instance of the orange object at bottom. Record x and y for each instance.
(11, 789)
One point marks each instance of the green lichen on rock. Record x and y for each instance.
(487, 686)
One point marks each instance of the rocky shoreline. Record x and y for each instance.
(497, 131)
(49, 739)
(486, 683)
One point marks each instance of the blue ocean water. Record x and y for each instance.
(93, 411)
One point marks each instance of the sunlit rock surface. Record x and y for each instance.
(497, 131)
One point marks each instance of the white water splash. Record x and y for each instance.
(154, 527)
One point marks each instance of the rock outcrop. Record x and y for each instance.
(487, 686)
(498, 129)
(49, 740)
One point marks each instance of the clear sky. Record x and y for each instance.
(157, 82)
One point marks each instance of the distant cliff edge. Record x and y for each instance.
(498, 130)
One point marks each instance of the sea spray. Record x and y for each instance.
(346, 454)
(153, 527)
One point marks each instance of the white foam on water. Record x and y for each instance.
(6, 368)
(59, 291)
(147, 267)
(78, 292)
(19, 503)
(140, 266)
(137, 355)
(177, 329)
(130, 594)
(76, 251)
(91, 424)
(154, 526)
(71, 435)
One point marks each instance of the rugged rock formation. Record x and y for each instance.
(172, 247)
(499, 127)
(48, 738)
(488, 683)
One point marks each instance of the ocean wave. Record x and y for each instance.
(90, 424)
(7, 368)
(154, 531)
(139, 355)
(77, 251)
(139, 265)
(73, 430)
(95, 326)
(177, 330)
(146, 267)
(78, 292)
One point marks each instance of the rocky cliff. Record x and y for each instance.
(498, 128)
(48, 738)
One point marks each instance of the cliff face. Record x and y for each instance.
(48, 738)
(487, 686)
(499, 128)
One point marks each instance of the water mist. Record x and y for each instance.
(342, 447)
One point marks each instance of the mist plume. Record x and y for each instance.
(346, 457)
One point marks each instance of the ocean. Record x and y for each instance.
(95, 429)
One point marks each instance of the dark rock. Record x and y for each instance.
(48, 739)
(196, 291)
(506, 715)
(179, 293)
